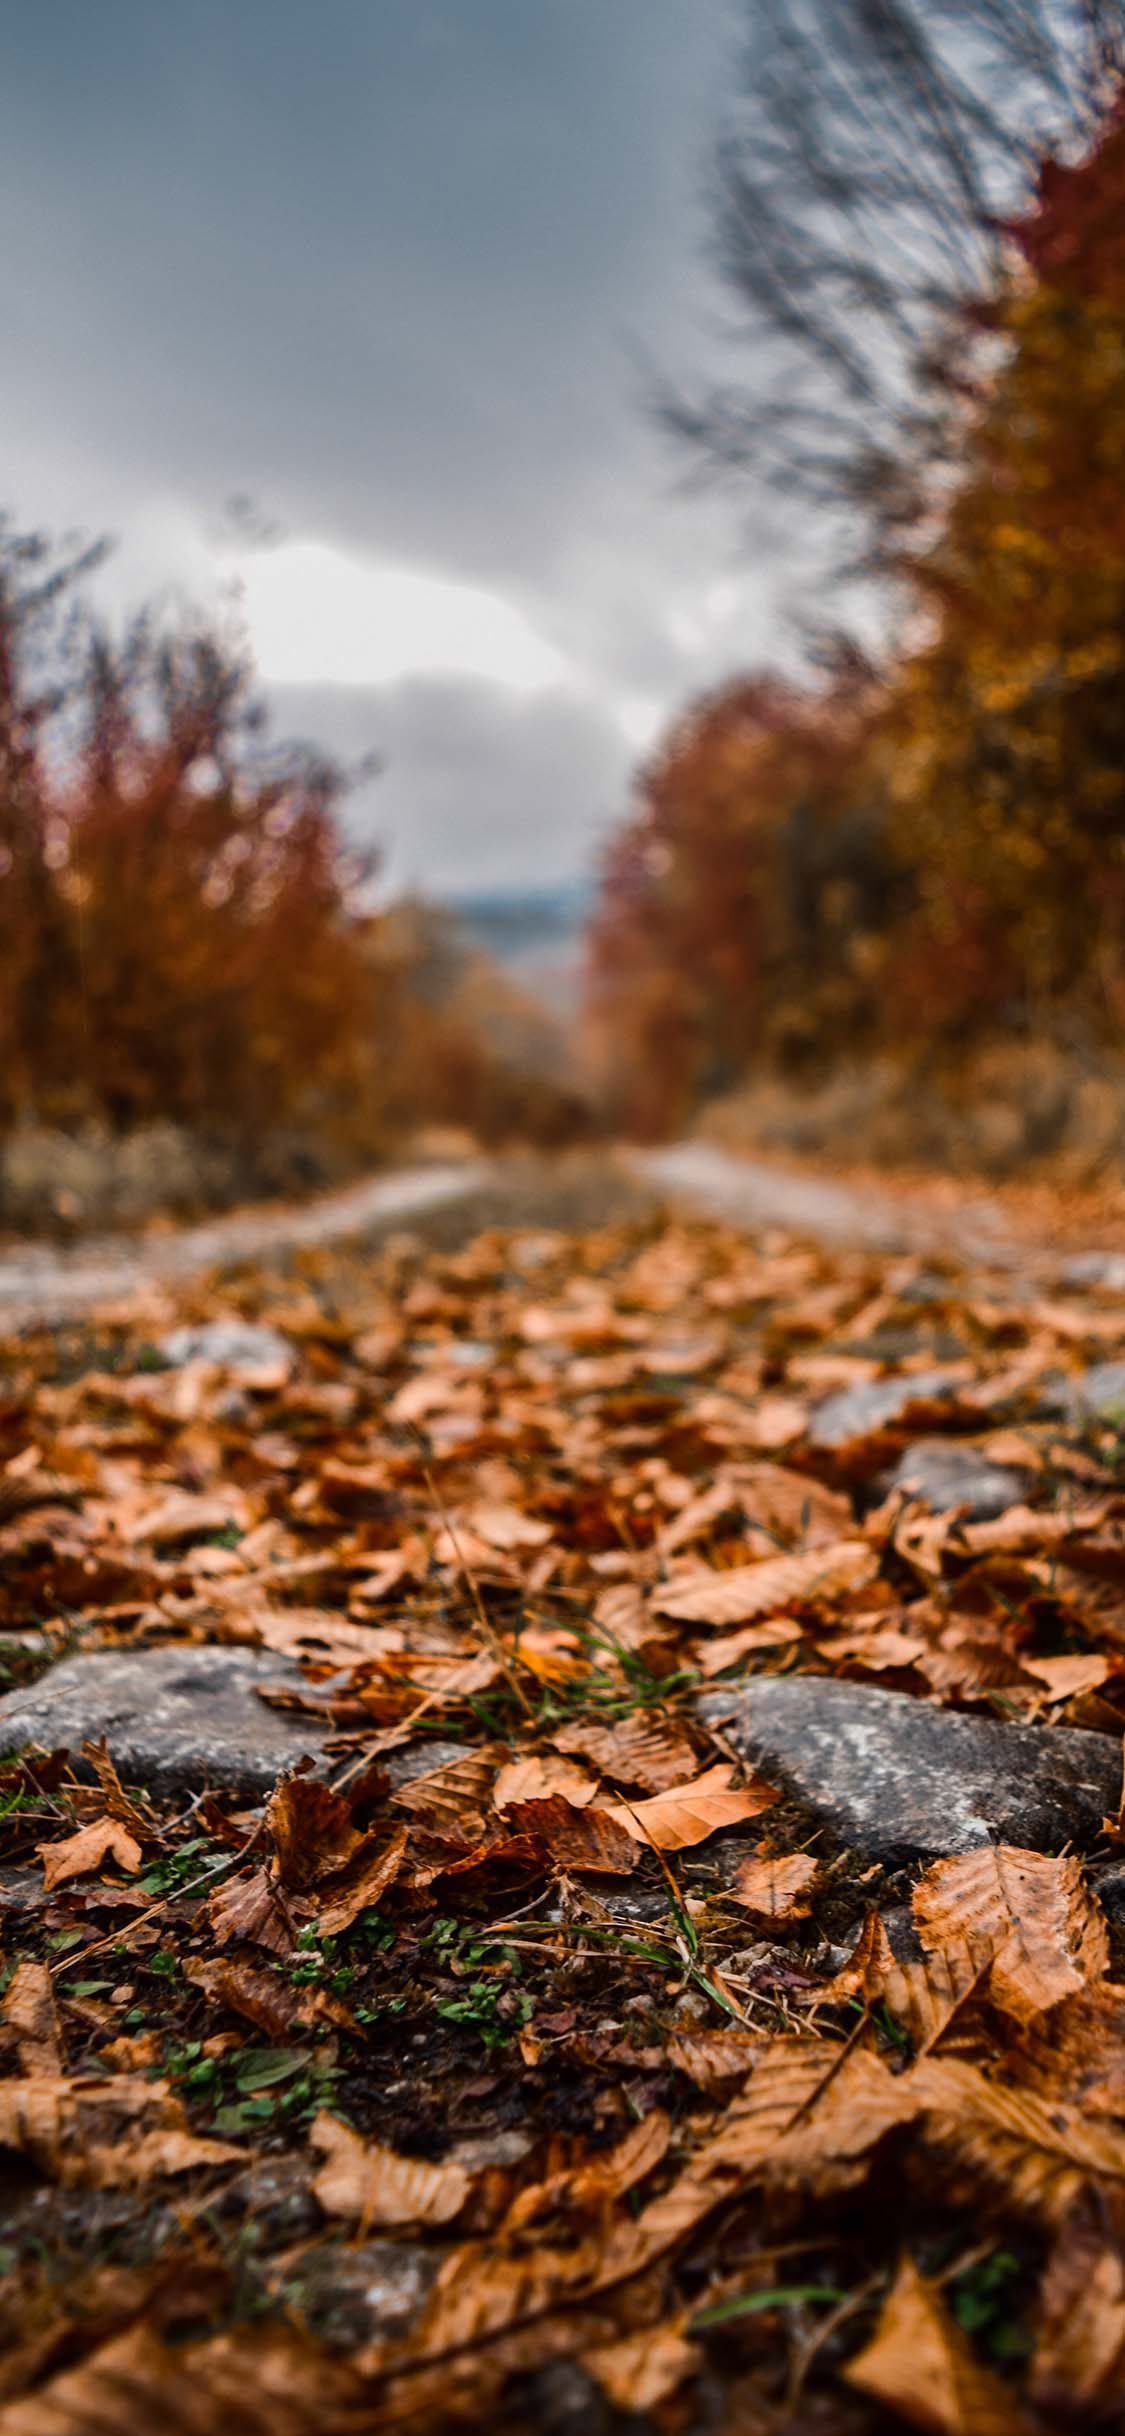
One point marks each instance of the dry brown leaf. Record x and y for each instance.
(644, 2369)
(1079, 2361)
(594, 2186)
(713, 2059)
(106, 2134)
(1033, 2152)
(257, 1996)
(360, 1885)
(252, 2381)
(373, 2185)
(919, 2363)
(312, 1830)
(254, 1907)
(811, 2112)
(454, 1798)
(537, 1778)
(746, 1591)
(1026, 1917)
(924, 1995)
(775, 1890)
(636, 1752)
(30, 2017)
(88, 1849)
(714, 1657)
(591, 1838)
(687, 1814)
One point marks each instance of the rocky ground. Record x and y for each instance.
(562, 1812)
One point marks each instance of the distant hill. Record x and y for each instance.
(535, 934)
(511, 922)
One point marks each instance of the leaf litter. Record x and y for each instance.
(529, 2000)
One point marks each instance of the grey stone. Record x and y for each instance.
(238, 1345)
(1097, 1394)
(1096, 1269)
(858, 1411)
(947, 1472)
(176, 1719)
(354, 2295)
(900, 1778)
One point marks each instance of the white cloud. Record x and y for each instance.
(316, 616)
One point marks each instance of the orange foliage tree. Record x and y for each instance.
(178, 927)
(939, 855)
(742, 907)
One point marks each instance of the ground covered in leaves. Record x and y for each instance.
(530, 2059)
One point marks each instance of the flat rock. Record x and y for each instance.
(948, 1472)
(1097, 1394)
(856, 1412)
(370, 2289)
(176, 1719)
(900, 1778)
(1096, 1269)
(239, 1345)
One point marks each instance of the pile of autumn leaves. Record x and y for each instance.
(523, 1499)
(929, 854)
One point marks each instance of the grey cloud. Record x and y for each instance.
(381, 263)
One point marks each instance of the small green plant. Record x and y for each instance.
(987, 2304)
(179, 1868)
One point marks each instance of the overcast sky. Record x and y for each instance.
(388, 266)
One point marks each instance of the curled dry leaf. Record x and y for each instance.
(375, 2186)
(687, 1814)
(644, 2369)
(454, 1798)
(257, 1996)
(30, 2018)
(714, 1657)
(594, 2186)
(714, 2059)
(635, 1752)
(1033, 2151)
(919, 2363)
(254, 1907)
(87, 1850)
(776, 1890)
(311, 1829)
(590, 1838)
(1028, 1917)
(746, 1591)
(924, 1996)
(359, 1887)
(1079, 2361)
(103, 2134)
(537, 1778)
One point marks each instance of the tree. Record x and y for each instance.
(872, 157)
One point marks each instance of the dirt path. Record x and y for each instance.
(941, 1217)
(44, 1282)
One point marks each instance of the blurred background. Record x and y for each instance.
(563, 578)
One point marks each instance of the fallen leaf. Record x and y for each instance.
(645, 2369)
(1027, 1916)
(591, 1838)
(635, 1752)
(87, 1850)
(918, 2362)
(746, 1591)
(373, 2185)
(536, 1779)
(775, 1890)
(30, 2017)
(687, 1814)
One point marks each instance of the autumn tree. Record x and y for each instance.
(871, 154)
(1009, 769)
(743, 905)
